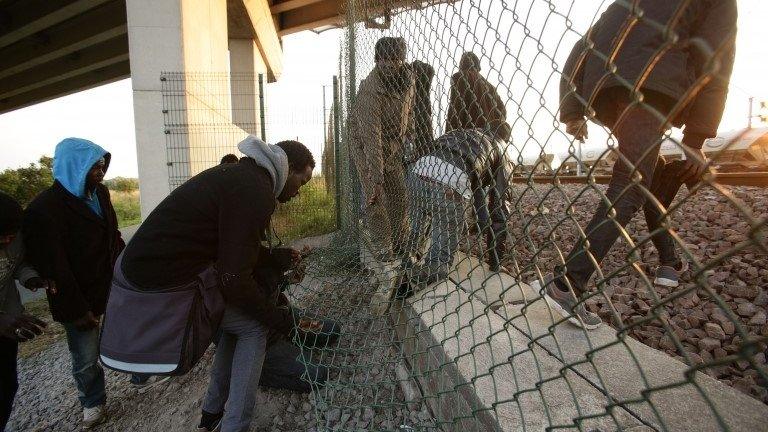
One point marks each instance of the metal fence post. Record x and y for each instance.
(262, 117)
(336, 143)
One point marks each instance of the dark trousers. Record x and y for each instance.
(639, 133)
(9, 382)
(287, 367)
(666, 184)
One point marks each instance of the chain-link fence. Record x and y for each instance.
(207, 114)
(473, 300)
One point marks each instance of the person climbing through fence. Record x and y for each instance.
(198, 263)
(380, 123)
(680, 81)
(444, 185)
(71, 236)
(16, 326)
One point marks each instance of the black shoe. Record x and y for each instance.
(210, 422)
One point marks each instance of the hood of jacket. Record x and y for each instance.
(72, 160)
(268, 156)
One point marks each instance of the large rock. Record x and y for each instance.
(708, 344)
(714, 331)
(742, 291)
(746, 309)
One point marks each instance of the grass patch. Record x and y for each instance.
(53, 333)
(127, 207)
(312, 213)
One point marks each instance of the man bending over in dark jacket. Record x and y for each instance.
(220, 216)
(465, 168)
(678, 56)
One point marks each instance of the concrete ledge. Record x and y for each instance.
(489, 356)
(478, 375)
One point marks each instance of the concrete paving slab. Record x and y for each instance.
(492, 288)
(650, 383)
(486, 376)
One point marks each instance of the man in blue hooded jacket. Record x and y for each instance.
(70, 231)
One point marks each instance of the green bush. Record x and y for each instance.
(127, 208)
(122, 184)
(26, 182)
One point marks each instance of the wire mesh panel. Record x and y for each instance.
(478, 291)
(207, 114)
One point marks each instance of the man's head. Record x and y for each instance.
(229, 159)
(10, 219)
(95, 174)
(469, 62)
(394, 72)
(390, 50)
(300, 166)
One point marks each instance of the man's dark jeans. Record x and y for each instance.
(8, 378)
(666, 184)
(639, 134)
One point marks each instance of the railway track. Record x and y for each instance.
(759, 179)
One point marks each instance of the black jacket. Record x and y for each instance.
(686, 79)
(217, 217)
(484, 160)
(67, 242)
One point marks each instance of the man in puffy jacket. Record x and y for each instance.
(643, 67)
(70, 230)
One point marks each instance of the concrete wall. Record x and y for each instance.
(154, 43)
(189, 37)
(246, 64)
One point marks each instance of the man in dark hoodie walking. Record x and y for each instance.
(642, 68)
(71, 237)
(220, 217)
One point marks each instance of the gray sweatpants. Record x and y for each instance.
(243, 362)
(236, 370)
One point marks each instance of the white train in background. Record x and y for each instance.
(741, 150)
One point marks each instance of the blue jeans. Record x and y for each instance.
(88, 374)
(236, 370)
(438, 212)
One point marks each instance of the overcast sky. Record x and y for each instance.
(294, 104)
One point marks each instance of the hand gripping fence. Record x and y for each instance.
(484, 277)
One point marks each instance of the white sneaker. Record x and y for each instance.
(93, 416)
